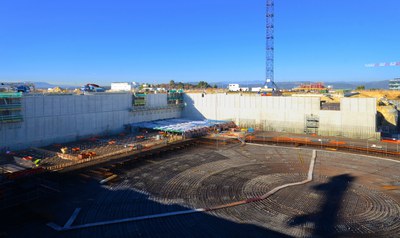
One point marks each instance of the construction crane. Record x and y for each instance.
(269, 81)
(383, 64)
(394, 84)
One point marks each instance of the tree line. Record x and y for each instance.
(179, 85)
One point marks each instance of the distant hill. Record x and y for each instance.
(377, 84)
(45, 85)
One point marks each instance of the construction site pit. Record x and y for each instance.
(156, 196)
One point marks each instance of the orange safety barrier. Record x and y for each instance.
(391, 141)
(291, 140)
(335, 144)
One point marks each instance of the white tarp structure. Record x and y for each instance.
(179, 125)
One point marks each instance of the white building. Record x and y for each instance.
(234, 87)
(256, 89)
(127, 87)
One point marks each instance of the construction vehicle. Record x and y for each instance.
(91, 87)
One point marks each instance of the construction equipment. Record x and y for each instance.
(383, 64)
(269, 81)
(394, 84)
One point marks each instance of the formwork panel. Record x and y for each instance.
(345, 105)
(39, 128)
(28, 106)
(48, 107)
(91, 104)
(107, 105)
(48, 129)
(354, 105)
(64, 105)
(78, 104)
(39, 106)
(99, 102)
(29, 130)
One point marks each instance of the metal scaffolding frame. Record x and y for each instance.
(10, 107)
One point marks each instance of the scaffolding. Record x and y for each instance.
(312, 124)
(139, 100)
(175, 97)
(10, 107)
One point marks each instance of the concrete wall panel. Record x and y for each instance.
(59, 118)
(156, 100)
(356, 118)
(38, 105)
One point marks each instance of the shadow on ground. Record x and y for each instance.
(326, 217)
(100, 203)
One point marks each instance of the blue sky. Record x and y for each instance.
(76, 42)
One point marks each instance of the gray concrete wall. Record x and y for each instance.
(156, 108)
(156, 100)
(60, 118)
(155, 114)
(357, 117)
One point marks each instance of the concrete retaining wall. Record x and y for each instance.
(356, 119)
(60, 118)
(155, 114)
(156, 100)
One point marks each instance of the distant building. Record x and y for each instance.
(234, 87)
(256, 89)
(161, 90)
(121, 87)
(394, 84)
